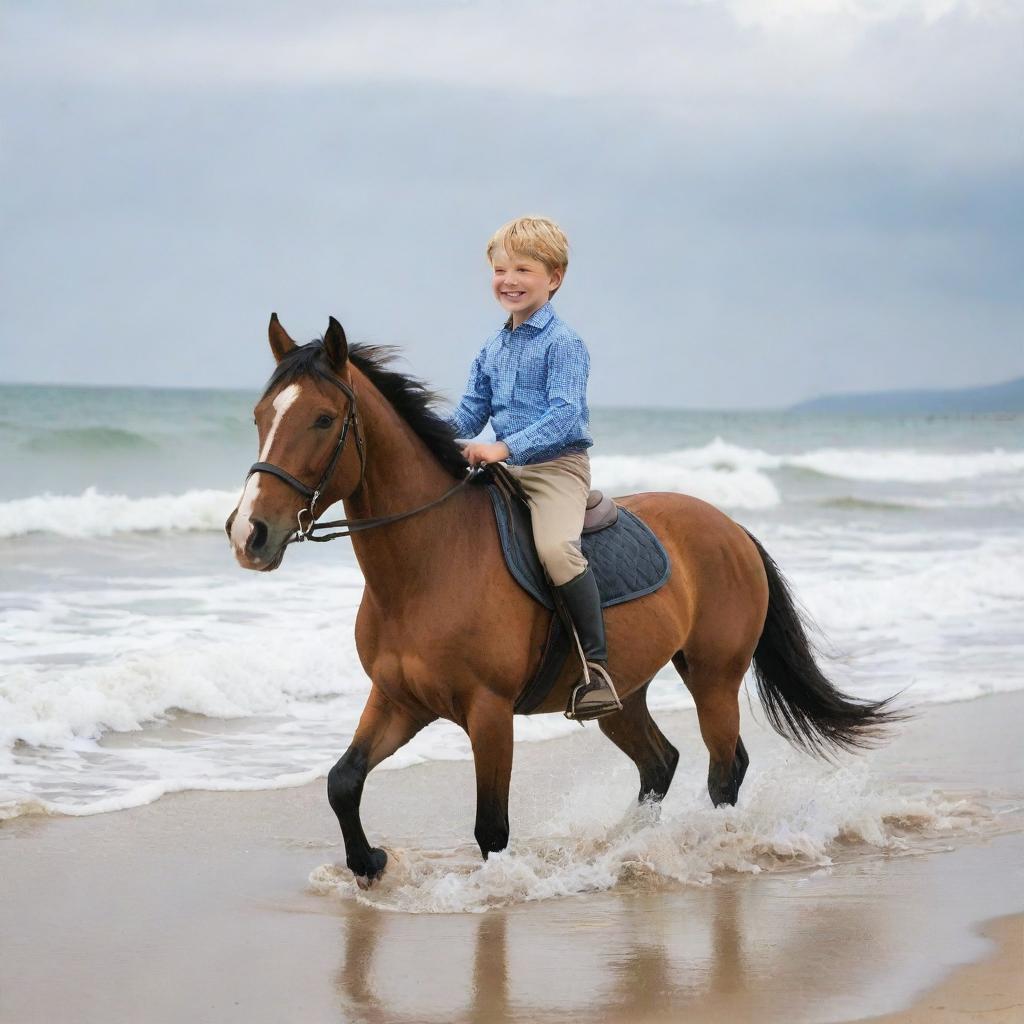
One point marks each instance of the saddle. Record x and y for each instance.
(601, 512)
(627, 559)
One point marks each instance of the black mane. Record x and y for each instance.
(409, 396)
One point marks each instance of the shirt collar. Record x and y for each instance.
(540, 319)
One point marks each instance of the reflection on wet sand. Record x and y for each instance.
(490, 971)
(630, 957)
(362, 934)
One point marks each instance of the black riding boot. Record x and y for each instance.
(595, 694)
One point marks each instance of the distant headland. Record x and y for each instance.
(1005, 397)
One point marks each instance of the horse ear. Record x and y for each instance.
(335, 344)
(280, 343)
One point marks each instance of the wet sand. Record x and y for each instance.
(992, 990)
(198, 908)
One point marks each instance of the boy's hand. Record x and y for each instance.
(479, 452)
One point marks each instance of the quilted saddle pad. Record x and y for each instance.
(627, 559)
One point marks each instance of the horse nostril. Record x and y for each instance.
(258, 537)
(230, 522)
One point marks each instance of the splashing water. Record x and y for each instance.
(797, 815)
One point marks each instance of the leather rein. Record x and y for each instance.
(307, 522)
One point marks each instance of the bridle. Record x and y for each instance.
(307, 515)
(307, 523)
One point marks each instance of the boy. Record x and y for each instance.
(530, 381)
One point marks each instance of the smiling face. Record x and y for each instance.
(522, 284)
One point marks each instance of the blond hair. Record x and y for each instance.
(535, 237)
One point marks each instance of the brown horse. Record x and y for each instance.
(444, 631)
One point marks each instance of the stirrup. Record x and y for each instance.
(580, 709)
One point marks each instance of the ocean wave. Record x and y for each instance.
(688, 469)
(727, 486)
(94, 514)
(222, 652)
(724, 474)
(851, 503)
(138, 795)
(89, 439)
(906, 465)
(963, 499)
(109, 702)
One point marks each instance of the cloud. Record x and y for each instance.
(706, 50)
(765, 199)
(799, 15)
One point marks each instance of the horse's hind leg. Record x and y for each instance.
(383, 728)
(635, 733)
(716, 694)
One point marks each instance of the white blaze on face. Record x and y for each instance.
(242, 526)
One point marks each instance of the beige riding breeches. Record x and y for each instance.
(557, 491)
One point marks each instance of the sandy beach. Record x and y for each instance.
(986, 991)
(201, 907)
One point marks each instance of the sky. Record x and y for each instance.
(766, 200)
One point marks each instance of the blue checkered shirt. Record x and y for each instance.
(531, 383)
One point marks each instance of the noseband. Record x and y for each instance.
(307, 524)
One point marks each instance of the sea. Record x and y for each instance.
(137, 659)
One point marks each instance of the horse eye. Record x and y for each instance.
(323, 421)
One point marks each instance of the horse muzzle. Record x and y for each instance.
(257, 545)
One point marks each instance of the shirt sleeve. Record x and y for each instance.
(474, 409)
(568, 367)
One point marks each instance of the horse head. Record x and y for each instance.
(305, 418)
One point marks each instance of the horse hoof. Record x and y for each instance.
(723, 785)
(378, 861)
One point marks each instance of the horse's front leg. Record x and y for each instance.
(383, 728)
(489, 724)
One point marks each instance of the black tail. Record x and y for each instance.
(801, 704)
